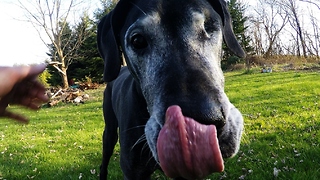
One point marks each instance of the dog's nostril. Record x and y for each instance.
(138, 41)
(220, 123)
(223, 119)
(217, 118)
(223, 113)
(210, 118)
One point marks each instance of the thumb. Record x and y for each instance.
(26, 72)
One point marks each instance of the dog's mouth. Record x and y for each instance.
(187, 148)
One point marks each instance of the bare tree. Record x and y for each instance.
(312, 36)
(271, 20)
(256, 36)
(314, 2)
(291, 9)
(51, 17)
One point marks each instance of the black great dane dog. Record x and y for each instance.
(168, 105)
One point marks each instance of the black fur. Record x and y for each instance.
(168, 71)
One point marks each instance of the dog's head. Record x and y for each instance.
(173, 50)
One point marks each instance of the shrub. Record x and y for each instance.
(232, 60)
(43, 78)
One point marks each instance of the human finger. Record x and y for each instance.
(13, 75)
(16, 117)
(30, 103)
(27, 91)
(36, 103)
(31, 71)
(39, 92)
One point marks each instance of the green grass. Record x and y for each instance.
(282, 123)
(62, 142)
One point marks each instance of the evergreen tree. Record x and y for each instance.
(89, 64)
(107, 6)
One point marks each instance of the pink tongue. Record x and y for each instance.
(187, 148)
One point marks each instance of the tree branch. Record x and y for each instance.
(311, 2)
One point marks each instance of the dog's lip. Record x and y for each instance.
(187, 148)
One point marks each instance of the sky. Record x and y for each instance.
(19, 41)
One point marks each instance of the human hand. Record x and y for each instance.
(19, 85)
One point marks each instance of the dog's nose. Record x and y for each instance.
(213, 116)
(216, 117)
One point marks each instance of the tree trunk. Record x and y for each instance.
(248, 66)
(64, 76)
(300, 34)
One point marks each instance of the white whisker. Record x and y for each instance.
(136, 127)
(141, 139)
(139, 8)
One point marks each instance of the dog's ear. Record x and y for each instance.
(220, 6)
(108, 39)
(108, 48)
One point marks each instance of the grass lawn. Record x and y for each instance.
(62, 142)
(282, 123)
(281, 138)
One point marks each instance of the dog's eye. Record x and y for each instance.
(138, 41)
(210, 26)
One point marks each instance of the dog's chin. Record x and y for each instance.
(185, 148)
